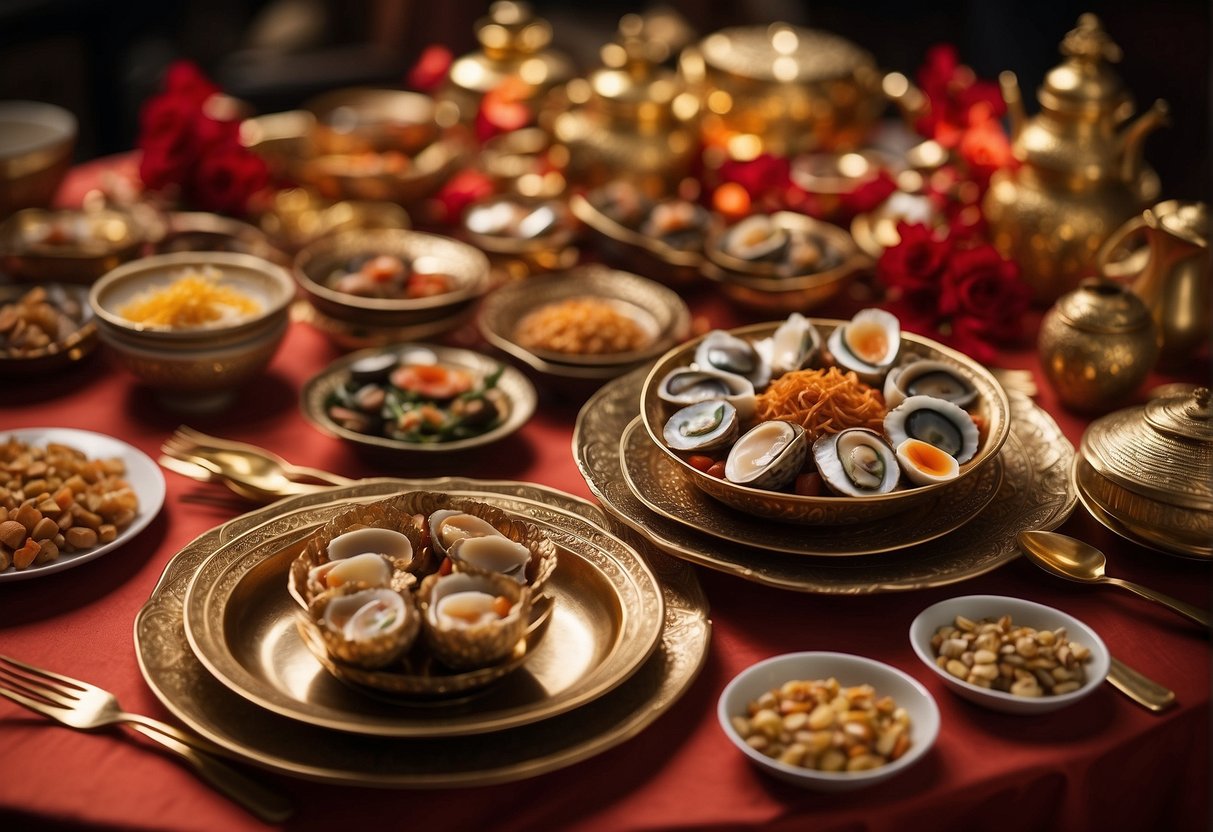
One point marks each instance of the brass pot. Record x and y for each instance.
(1097, 344)
(796, 90)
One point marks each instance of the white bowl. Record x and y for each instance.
(849, 670)
(1029, 613)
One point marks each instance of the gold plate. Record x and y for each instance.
(240, 620)
(657, 483)
(284, 745)
(518, 390)
(1085, 478)
(1035, 494)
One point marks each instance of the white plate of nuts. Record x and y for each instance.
(828, 721)
(1009, 654)
(69, 496)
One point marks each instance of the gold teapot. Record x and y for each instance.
(1173, 277)
(1080, 174)
(631, 119)
(513, 49)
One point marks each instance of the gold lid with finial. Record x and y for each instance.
(1085, 81)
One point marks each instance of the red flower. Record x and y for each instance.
(953, 90)
(165, 119)
(917, 262)
(503, 109)
(431, 69)
(225, 179)
(761, 174)
(185, 80)
(983, 292)
(983, 146)
(460, 191)
(870, 194)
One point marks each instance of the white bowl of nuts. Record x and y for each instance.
(1008, 654)
(828, 721)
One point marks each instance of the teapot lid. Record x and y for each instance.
(1102, 305)
(513, 41)
(782, 52)
(1085, 80)
(1163, 450)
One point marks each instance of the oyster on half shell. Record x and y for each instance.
(449, 526)
(702, 426)
(370, 627)
(769, 455)
(867, 345)
(856, 463)
(462, 617)
(727, 353)
(794, 345)
(925, 377)
(685, 385)
(492, 553)
(939, 422)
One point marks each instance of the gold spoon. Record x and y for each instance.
(1078, 561)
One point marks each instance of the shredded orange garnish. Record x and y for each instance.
(822, 401)
(195, 299)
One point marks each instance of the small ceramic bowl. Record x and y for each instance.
(1027, 613)
(78, 333)
(36, 142)
(68, 246)
(849, 670)
(199, 368)
(315, 265)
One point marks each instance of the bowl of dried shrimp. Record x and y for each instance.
(822, 422)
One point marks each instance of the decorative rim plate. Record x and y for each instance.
(514, 384)
(657, 483)
(240, 621)
(290, 747)
(1036, 493)
(144, 476)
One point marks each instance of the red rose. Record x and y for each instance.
(165, 119)
(916, 262)
(166, 162)
(982, 292)
(211, 134)
(953, 91)
(226, 179)
(759, 175)
(460, 191)
(983, 146)
(185, 80)
(428, 74)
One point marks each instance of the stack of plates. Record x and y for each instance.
(967, 532)
(229, 661)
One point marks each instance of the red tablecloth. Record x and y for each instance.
(1107, 764)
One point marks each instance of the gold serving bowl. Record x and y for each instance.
(992, 407)
(68, 246)
(630, 249)
(316, 263)
(195, 368)
(362, 119)
(283, 140)
(1144, 472)
(375, 176)
(295, 217)
(759, 286)
(657, 310)
(68, 350)
(202, 231)
(521, 235)
(36, 143)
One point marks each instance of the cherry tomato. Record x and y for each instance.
(700, 462)
(717, 470)
(808, 485)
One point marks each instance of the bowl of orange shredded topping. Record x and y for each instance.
(194, 325)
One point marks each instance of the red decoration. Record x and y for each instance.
(458, 193)
(503, 109)
(953, 91)
(955, 289)
(431, 69)
(192, 153)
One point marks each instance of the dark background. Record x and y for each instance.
(101, 59)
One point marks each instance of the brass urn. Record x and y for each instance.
(1080, 173)
(630, 120)
(514, 49)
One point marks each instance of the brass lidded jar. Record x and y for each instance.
(1097, 345)
(514, 47)
(791, 89)
(1151, 469)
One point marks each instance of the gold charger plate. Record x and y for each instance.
(1035, 493)
(284, 745)
(240, 621)
(657, 482)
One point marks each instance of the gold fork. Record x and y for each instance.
(247, 458)
(86, 707)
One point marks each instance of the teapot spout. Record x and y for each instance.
(1009, 84)
(1133, 139)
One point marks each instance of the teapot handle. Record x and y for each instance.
(1126, 268)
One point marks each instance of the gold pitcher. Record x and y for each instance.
(1174, 278)
(1080, 175)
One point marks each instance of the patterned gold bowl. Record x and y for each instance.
(759, 287)
(992, 407)
(315, 264)
(36, 142)
(69, 245)
(629, 249)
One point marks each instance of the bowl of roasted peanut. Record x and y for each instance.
(828, 721)
(1008, 654)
